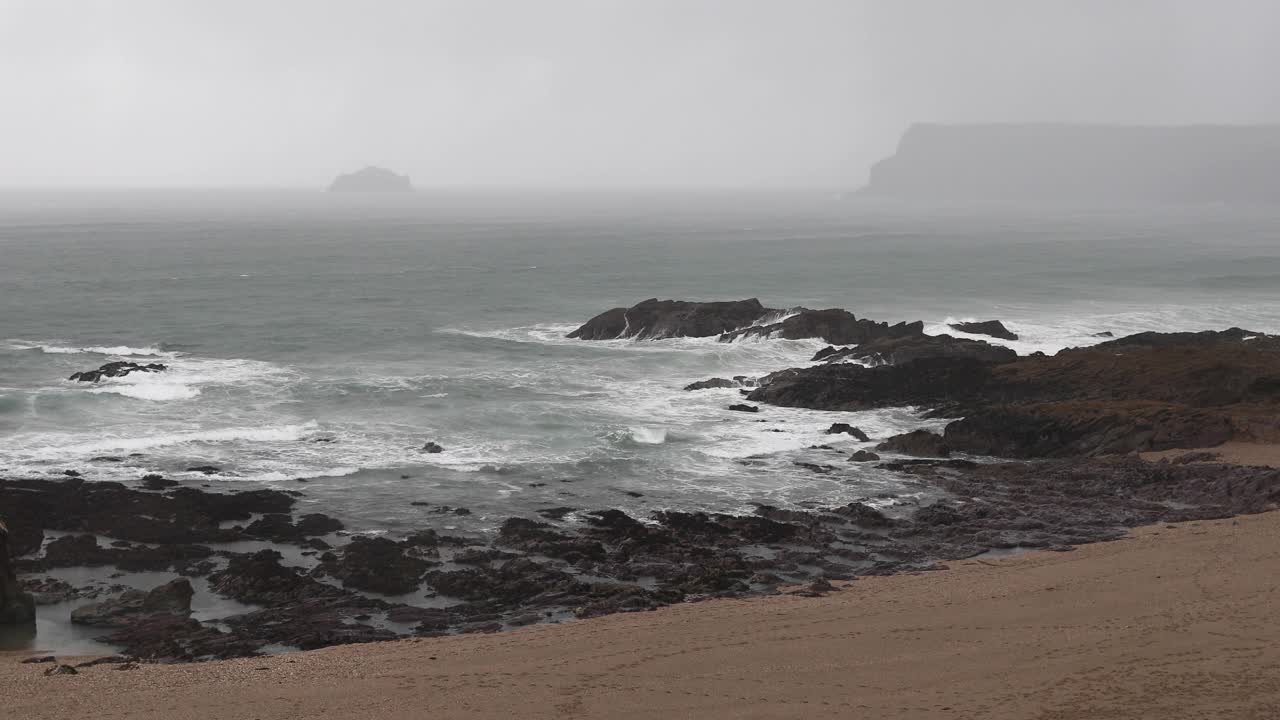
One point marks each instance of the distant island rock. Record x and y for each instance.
(371, 179)
(1046, 163)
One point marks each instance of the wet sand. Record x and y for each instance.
(1172, 622)
(1238, 453)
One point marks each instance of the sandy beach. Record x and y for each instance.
(1173, 622)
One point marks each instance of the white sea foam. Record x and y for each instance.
(649, 435)
(156, 391)
(53, 446)
(113, 350)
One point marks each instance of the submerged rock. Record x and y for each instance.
(741, 407)
(432, 448)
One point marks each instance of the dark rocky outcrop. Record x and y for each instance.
(863, 456)
(742, 407)
(371, 179)
(992, 328)
(432, 448)
(838, 327)
(1150, 391)
(16, 607)
(120, 368)
(733, 320)
(655, 319)
(900, 350)
(917, 443)
(926, 382)
(380, 565)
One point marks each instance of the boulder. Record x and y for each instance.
(863, 456)
(917, 443)
(432, 448)
(740, 407)
(992, 328)
(847, 429)
(171, 598)
(157, 482)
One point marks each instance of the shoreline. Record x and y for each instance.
(535, 572)
(1150, 625)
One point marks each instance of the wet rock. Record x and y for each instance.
(182, 516)
(739, 407)
(839, 327)
(205, 469)
(556, 513)
(106, 660)
(106, 458)
(658, 319)
(520, 582)
(473, 556)
(543, 539)
(713, 383)
(377, 564)
(902, 350)
(1104, 334)
(120, 368)
(815, 467)
(863, 456)
(39, 660)
(992, 328)
(917, 443)
(863, 515)
(847, 429)
(281, 528)
(157, 482)
(432, 448)
(927, 382)
(62, 670)
(172, 598)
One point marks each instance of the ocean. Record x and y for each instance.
(328, 337)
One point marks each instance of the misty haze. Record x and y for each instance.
(629, 359)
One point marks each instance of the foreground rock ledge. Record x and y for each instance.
(531, 570)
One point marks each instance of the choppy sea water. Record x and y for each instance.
(328, 337)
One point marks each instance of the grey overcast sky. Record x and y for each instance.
(583, 93)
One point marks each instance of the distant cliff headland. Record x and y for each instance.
(1094, 164)
(371, 179)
